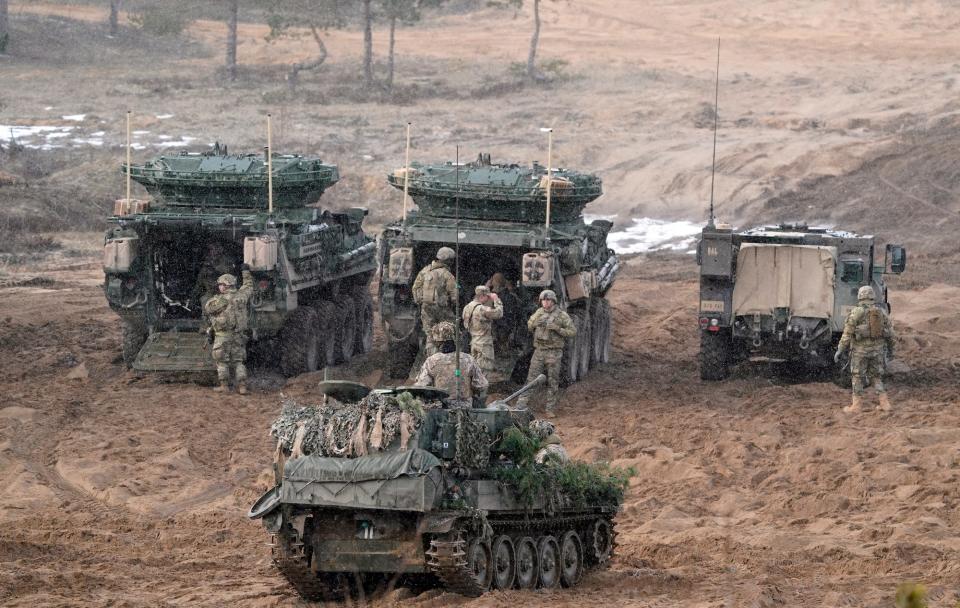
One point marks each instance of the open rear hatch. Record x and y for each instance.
(175, 351)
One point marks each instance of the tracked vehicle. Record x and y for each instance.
(394, 484)
(212, 213)
(498, 217)
(783, 292)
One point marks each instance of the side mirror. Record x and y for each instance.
(897, 257)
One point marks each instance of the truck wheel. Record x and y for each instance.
(364, 324)
(570, 363)
(327, 326)
(586, 344)
(607, 333)
(714, 355)
(346, 329)
(596, 329)
(299, 343)
(134, 336)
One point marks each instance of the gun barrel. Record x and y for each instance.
(526, 387)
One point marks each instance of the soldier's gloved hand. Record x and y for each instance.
(837, 355)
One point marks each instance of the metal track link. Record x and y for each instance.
(291, 560)
(448, 560)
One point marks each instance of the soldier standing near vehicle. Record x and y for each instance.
(227, 314)
(478, 318)
(866, 332)
(440, 370)
(551, 327)
(435, 290)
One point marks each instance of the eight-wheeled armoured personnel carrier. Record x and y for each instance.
(497, 216)
(210, 214)
(391, 482)
(782, 292)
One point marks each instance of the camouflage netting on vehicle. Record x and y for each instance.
(347, 430)
(563, 484)
(473, 442)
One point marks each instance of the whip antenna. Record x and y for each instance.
(456, 276)
(716, 114)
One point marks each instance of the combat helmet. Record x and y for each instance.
(481, 290)
(548, 294)
(227, 279)
(866, 293)
(442, 332)
(445, 254)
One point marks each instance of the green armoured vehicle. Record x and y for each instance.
(212, 213)
(375, 485)
(783, 292)
(497, 216)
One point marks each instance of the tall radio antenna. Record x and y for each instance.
(716, 114)
(456, 277)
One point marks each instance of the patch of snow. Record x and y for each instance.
(74, 117)
(48, 108)
(17, 132)
(89, 141)
(164, 116)
(140, 132)
(165, 137)
(57, 134)
(98, 134)
(648, 234)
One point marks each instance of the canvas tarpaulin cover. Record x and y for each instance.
(387, 465)
(798, 277)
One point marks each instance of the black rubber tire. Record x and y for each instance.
(600, 317)
(571, 559)
(715, 351)
(364, 342)
(134, 337)
(548, 553)
(327, 327)
(346, 329)
(299, 343)
(607, 335)
(504, 563)
(570, 363)
(528, 564)
(586, 344)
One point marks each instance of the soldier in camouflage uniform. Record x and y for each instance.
(478, 318)
(440, 371)
(552, 450)
(227, 315)
(866, 332)
(435, 290)
(550, 327)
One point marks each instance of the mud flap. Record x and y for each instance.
(175, 351)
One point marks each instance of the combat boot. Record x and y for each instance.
(855, 405)
(223, 387)
(885, 402)
(241, 388)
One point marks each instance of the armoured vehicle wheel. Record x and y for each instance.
(714, 355)
(600, 345)
(528, 564)
(364, 324)
(504, 563)
(607, 333)
(549, 553)
(599, 542)
(299, 343)
(570, 364)
(585, 344)
(327, 324)
(571, 559)
(346, 330)
(134, 336)
(480, 563)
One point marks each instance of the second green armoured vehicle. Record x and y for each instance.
(510, 238)
(783, 292)
(212, 213)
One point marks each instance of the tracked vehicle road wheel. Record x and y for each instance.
(571, 559)
(714, 355)
(504, 563)
(134, 337)
(480, 563)
(327, 339)
(549, 553)
(299, 343)
(364, 324)
(346, 330)
(599, 546)
(528, 564)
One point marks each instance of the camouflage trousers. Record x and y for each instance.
(866, 365)
(430, 315)
(481, 349)
(230, 350)
(545, 361)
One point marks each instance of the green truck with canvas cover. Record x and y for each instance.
(376, 485)
(497, 216)
(783, 292)
(211, 213)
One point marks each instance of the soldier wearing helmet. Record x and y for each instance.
(552, 449)
(227, 315)
(478, 318)
(550, 327)
(866, 333)
(440, 370)
(435, 290)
